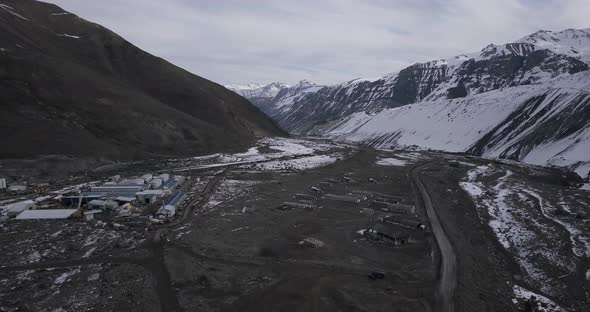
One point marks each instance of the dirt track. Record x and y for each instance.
(448, 266)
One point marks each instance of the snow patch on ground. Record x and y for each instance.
(34, 256)
(391, 162)
(228, 190)
(545, 304)
(303, 163)
(472, 188)
(282, 147)
(89, 252)
(69, 36)
(10, 10)
(289, 147)
(511, 209)
(65, 276)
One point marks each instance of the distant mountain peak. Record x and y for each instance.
(257, 90)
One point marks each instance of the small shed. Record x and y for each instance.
(90, 214)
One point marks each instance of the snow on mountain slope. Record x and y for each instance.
(451, 125)
(255, 90)
(526, 100)
(287, 96)
(237, 88)
(541, 124)
(571, 42)
(493, 67)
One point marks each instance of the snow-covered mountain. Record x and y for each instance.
(275, 98)
(545, 124)
(527, 100)
(256, 90)
(572, 42)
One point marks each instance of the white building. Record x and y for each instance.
(167, 211)
(150, 196)
(137, 181)
(156, 183)
(164, 176)
(2, 184)
(15, 209)
(179, 178)
(90, 214)
(45, 214)
(147, 177)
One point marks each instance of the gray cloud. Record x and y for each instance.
(327, 41)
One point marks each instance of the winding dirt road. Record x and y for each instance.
(448, 268)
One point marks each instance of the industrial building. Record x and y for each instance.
(149, 196)
(132, 182)
(103, 204)
(85, 198)
(91, 214)
(392, 207)
(297, 205)
(363, 193)
(164, 176)
(304, 196)
(156, 183)
(343, 198)
(124, 199)
(384, 233)
(173, 183)
(117, 190)
(147, 178)
(47, 214)
(15, 209)
(168, 210)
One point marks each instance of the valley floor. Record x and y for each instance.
(294, 225)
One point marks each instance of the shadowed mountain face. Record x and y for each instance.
(68, 86)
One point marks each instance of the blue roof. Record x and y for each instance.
(85, 195)
(111, 194)
(175, 198)
(170, 183)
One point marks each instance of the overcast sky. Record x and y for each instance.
(325, 41)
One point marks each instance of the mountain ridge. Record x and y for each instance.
(73, 87)
(508, 77)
